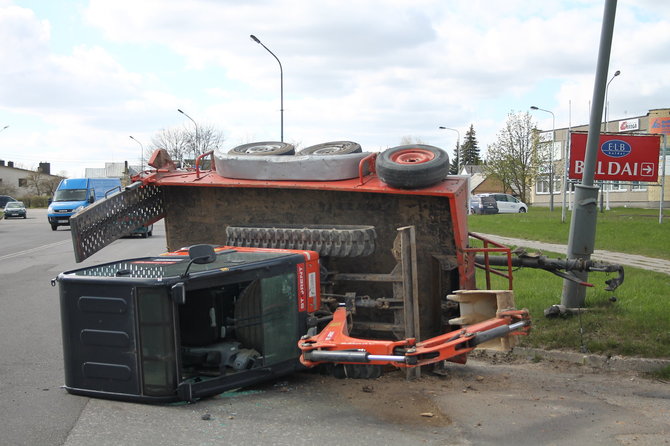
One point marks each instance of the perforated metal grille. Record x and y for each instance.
(107, 220)
(134, 269)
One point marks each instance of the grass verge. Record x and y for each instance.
(632, 321)
(634, 231)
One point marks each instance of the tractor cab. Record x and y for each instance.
(180, 326)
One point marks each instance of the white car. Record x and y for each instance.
(508, 204)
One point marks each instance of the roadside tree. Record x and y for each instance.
(183, 145)
(455, 161)
(513, 158)
(470, 148)
(409, 139)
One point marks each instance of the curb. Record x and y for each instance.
(609, 363)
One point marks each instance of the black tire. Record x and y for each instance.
(332, 148)
(522, 210)
(145, 234)
(265, 148)
(412, 166)
(54, 227)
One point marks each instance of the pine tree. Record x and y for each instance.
(470, 149)
(455, 162)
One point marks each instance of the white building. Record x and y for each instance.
(19, 183)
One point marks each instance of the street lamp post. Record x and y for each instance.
(281, 84)
(141, 153)
(607, 108)
(197, 139)
(458, 147)
(602, 192)
(551, 156)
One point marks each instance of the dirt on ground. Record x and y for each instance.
(507, 393)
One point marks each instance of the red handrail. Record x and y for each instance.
(370, 159)
(197, 163)
(471, 252)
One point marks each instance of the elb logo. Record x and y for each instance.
(616, 148)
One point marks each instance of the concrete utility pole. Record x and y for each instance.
(583, 223)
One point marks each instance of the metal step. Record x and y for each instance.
(117, 216)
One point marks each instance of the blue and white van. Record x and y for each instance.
(74, 194)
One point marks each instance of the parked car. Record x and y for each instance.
(144, 231)
(15, 209)
(507, 204)
(483, 205)
(4, 199)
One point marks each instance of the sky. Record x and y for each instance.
(78, 77)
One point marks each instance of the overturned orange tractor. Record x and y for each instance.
(331, 256)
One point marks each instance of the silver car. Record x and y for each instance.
(15, 209)
(508, 204)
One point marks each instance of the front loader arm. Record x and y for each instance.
(334, 345)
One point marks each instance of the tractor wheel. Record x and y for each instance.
(264, 149)
(412, 166)
(332, 148)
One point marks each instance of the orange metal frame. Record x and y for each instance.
(486, 250)
(452, 346)
(452, 188)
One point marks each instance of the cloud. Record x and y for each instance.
(372, 71)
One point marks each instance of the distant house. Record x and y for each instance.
(482, 184)
(111, 170)
(123, 171)
(19, 182)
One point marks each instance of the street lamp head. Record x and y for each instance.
(180, 111)
(533, 107)
(617, 72)
(254, 38)
(443, 127)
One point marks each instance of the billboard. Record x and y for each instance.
(628, 125)
(659, 125)
(620, 157)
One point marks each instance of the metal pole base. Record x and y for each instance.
(581, 242)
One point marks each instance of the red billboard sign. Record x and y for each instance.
(620, 157)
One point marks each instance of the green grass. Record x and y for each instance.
(636, 324)
(634, 231)
(662, 374)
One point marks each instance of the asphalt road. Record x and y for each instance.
(505, 401)
(35, 411)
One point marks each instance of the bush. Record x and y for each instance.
(35, 201)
